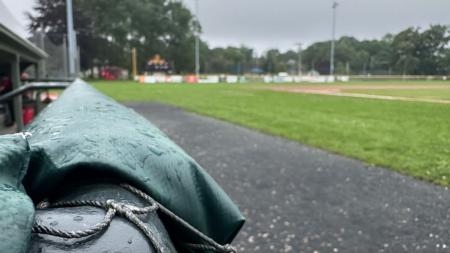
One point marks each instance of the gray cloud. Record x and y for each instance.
(281, 23)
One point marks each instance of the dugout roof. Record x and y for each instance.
(12, 44)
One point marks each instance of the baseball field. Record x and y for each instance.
(403, 126)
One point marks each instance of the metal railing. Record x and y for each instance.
(32, 86)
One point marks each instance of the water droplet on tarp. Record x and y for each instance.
(78, 218)
(155, 150)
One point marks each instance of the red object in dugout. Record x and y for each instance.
(28, 114)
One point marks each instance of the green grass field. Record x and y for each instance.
(410, 137)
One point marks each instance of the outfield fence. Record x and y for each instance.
(400, 78)
(279, 79)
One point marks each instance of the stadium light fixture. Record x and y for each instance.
(333, 39)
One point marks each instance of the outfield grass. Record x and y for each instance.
(410, 137)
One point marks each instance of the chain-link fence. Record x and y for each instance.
(56, 65)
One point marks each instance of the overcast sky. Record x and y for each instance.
(263, 24)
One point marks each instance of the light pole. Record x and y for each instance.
(71, 39)
(197, 41)
(333, 38)
(300, 50)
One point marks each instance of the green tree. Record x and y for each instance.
(406, 51)
(108, 29)
(432, 50)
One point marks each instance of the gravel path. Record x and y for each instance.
(301, 199)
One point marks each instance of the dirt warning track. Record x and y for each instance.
(343, 91)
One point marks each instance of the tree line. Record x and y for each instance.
(107, 30)
(413, 51)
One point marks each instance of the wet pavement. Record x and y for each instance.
(301, 199)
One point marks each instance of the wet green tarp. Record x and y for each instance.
(16, 208)
(85, 135)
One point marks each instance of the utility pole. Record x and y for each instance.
(64, 58)
(197, 41)
(134, 62)
(71, 40)
(43, 64)
(17, 102)
(333, 39)
(300, 50)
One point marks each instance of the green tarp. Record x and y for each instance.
(85, 135)
(16, 208)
